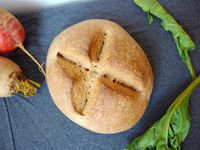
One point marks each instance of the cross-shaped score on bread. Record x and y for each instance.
(88, 77)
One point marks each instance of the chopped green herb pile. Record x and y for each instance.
(168, 132)
(183, 41)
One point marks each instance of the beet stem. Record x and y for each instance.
(21, 46)
(27, 87)
(34, 83)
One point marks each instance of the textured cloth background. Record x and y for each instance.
(36, 124)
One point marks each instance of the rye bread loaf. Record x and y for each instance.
(98, 76)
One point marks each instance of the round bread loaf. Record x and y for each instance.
(98, 76)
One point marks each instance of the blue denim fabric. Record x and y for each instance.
(35, 123)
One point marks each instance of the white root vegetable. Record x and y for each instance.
(12, 80)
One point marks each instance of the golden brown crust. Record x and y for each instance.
(98, 76)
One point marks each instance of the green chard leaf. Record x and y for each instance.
(168, 132)
(150, 18)
(183, 41)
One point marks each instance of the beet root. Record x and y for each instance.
(12, 35)
(12, 80)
